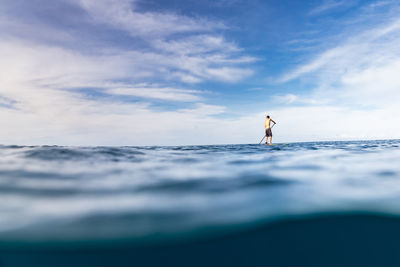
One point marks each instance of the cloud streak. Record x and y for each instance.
(366, 49)
(329, 5)
(169, 94)
(122, 14)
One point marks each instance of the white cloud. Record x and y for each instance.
(319, 62)
(197, 55)
(367, 48)
(193, 57)
(196, 44)
(171, 94)
(122, 14)
(286, 99)
(380, 4)
(328, 5)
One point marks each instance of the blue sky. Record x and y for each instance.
(158, 72)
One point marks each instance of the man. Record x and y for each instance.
(268, 132)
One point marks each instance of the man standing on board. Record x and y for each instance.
(268, 132)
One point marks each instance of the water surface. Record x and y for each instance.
(163, 195)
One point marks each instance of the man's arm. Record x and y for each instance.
(273, 121)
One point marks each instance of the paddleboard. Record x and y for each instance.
(275, 144)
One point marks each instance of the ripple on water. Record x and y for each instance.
(201, 185)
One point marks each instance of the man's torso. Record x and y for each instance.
(267, 123)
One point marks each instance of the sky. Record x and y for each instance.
(189, 72)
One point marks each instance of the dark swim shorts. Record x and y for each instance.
(268, 132)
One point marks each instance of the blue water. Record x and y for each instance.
(239, 205)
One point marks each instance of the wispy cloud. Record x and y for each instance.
(367, 48)
(203, 43)
(122, 14)
(355, 84)
(380, 4)
(329, 5)
(166, 93)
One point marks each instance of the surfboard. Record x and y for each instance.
(275, 144)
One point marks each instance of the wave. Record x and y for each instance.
(298, 204)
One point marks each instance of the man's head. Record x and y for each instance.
(267, 116)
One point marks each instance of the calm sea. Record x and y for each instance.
(296, 204)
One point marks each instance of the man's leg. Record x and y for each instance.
(270, 140)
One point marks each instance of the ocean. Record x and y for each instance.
(295, 204)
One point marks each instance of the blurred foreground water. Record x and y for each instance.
(297, 204)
